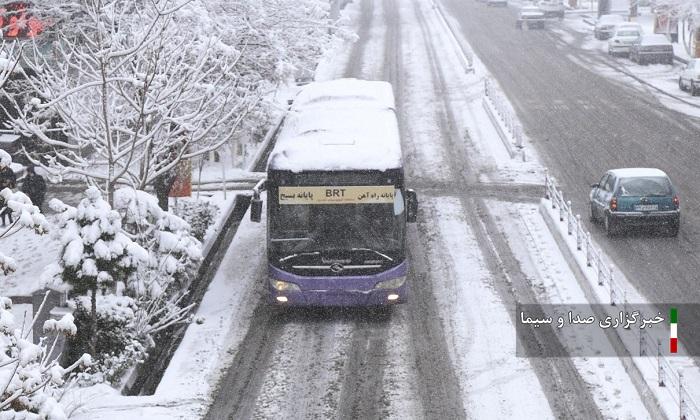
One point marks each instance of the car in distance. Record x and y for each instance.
(631, 197)
(605, 26)
(652, 48)
(531, 17)
(625, 34)
(503, 3)
(552, 8)
(689, 78)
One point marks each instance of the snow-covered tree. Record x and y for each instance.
(687, 13)
(96, 252)
(131, 88)
(132, 93)
(30, 377)
(32, 380)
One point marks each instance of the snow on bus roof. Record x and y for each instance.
(333, 91)
(346, 124)
(637, 172)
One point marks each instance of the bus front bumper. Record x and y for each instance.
(336, 298)
(335, 291)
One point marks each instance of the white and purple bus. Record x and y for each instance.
(337, 206)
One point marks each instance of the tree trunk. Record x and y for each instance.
(93, 321)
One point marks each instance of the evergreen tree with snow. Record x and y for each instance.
(96, 252)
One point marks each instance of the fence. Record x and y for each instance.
(503, 111)
(668, 377)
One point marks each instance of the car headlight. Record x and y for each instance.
(284, 286)
(391, 284)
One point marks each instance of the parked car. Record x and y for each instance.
(530, 16)
(605, 26)
(552, 8)
(503, 3)
(689, 78)
(623, 37)
(652, 48)
(635, 197)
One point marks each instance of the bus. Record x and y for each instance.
(337, 204)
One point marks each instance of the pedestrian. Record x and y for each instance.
(8, 179)
(34, 186)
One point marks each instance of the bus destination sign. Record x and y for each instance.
(337, 195)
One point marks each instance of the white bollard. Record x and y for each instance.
(579, 232)
(611, 282)
(561, 206)
(569, 219)
(589, 249)
(546, 183)
(600, 270)
(662, 374)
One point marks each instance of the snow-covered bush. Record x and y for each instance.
(117, 348)
(32, 380)
(140, 258)
(199, 214)
(160, 286)
(27, 216)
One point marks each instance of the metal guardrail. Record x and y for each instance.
(667, 376)
(502, 107)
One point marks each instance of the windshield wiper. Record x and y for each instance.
(289, 239)
(289, 257)
(374, 251)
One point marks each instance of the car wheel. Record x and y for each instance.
(610, 225)
(693, 91)
(672, 230)
(594, 217)
(680, 84)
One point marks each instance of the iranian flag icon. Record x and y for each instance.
(674, 330)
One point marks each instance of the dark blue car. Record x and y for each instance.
(635, 197)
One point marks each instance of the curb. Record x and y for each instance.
(646, 394)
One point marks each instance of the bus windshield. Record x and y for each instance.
(297, 229)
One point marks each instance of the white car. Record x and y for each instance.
(605, 26)
(625, 34)
(530, 17)
(689, 78)
(552, 8)
(652, 48)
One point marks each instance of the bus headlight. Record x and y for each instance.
(284, 286)
(391, 284)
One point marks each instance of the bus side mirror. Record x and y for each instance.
(255, 209)
(411, 206)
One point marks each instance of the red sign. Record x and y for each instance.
(182, 185)
(17, 22)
